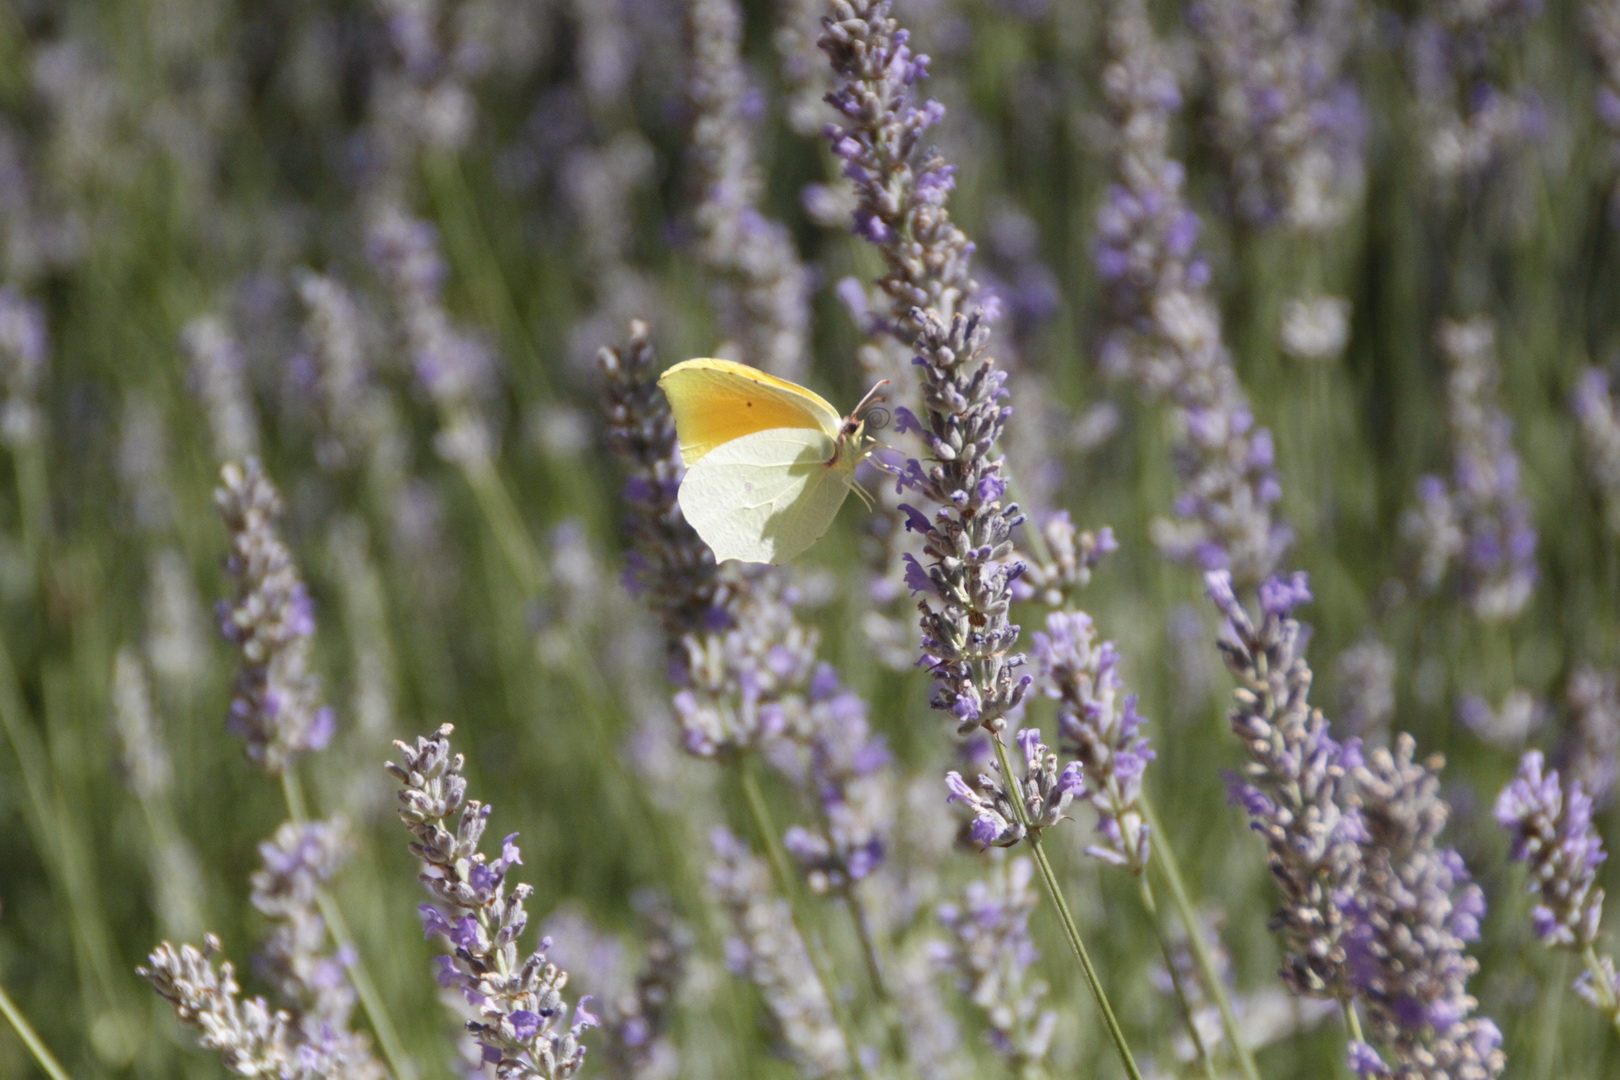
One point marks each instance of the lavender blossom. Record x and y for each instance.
(1408, 921)
(1099, 728)
(252, 1038)
(1044, 792)
(24, 345)
(1597, 411)
(1602, 19)
(454, 368)
(1591, 754)
(845, 772)
(1366, 699)
(1166, 334)
(1295, 787)
(1490, 514)
(309, 978)
(276, 704)
(636, 1024)
(519, 1000)
(1289, 125)
(990, 952)
(1553, 835)
(762, 292)
(768, 951)
(219, 379)
(1472, 118)
(900, 186)
(356, 420)
(1071, 556)
(668, 564)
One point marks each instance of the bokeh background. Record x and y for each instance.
(379, 245)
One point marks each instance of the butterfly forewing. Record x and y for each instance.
(767, 496)
(719, 401)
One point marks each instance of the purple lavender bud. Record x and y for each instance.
(276, 705)
(770, 953)
(1295, 785)
(990, 952)
(1597, 412)
(518, 1000)
(1166, 333)
(1409, 918)
(1098, 724)
(1552, 833)
(24, 346)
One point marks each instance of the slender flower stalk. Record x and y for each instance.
(523, 1026)
(762, 291)
(1551, 831)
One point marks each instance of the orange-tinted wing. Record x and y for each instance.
(716, 401)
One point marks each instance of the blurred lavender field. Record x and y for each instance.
(1225, 684)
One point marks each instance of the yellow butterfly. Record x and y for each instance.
(768, 463)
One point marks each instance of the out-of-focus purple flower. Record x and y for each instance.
(990, 952)
(1483, 519)
(1591, 753)
(1472, 118)
(276, 704)
(1288, 123)
(455, 369)
(1098, 724)
(218, 376)
(1408, 921)
(357, 421)
(762, 289)
(1552, 834)
(519, 1000)
(1603, 24)
(1366, 699)
(1165, 329)
(1597, 411)
(1295, 786)
(769, 952)
(1071, 556)
(24, 346)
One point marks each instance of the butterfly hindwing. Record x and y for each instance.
(767, 496)
(719, 401)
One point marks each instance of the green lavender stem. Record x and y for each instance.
(1165, 857)
(1151, 904)
(36, 1046)
(1070, 931)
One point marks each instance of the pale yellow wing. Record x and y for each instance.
(716, 401)
(766, 497)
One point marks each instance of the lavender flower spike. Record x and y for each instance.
(520, 1000)
(1409, 918)
(276, 704)
(1295, 785)
(1099, 727)
(1553, 835)
(1044, 790)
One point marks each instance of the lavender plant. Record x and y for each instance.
(523, 1023)
(1551, 831)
